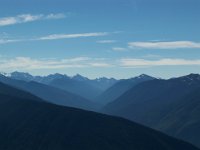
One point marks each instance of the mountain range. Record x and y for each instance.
(170, 106)
(120, 88)
(28, 122)
(77, 84)
(50, 94)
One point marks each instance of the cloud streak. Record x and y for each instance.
(5, 41)
(26, 63)
(24, 18)
(106, 41)
(119, 49)
(55, 37)
(161, 62)
(164, 45)
(71, 36)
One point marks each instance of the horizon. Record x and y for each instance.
(112, 38)
(71, 76)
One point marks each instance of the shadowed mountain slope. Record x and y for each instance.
(51, 94)
(168, 105)
(121, 87)
(77, 84)
(183, 120)
(33, 124)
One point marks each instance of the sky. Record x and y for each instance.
(95, 38)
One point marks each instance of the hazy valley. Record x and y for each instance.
(170, 106)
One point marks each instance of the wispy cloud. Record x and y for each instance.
(106, 41)
(24, 18)
(164, 45)
(119, 49)
(5, 41)
(54, 37)
(151, 56)
(56, 16)
(26, 63)
(70, 36)
(128, 62)
(101, 64)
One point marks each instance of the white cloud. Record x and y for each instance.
(5, 41)
(28, 18)
(55, 16)
(151, 56)
(77, 59)
(119, 49)
(24, 18)
(164, 45)
(129, 62)
(7, 21)
(101, 64)
(55, 37)
(69, 36)
(106, 41)
(26, 63)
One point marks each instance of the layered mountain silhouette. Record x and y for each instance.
(82, 88)
(77, 84)
(27, 122)
(183, 120)
(51, 94)
(168, 105)
(121, 87)
(171, 106)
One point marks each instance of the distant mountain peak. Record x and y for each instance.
(21, 76)
(5, 74)
(79, 77)
(143, 76)
(104, 79)
(57, 75)
(193, 75)
(191, 78)
(16, 73)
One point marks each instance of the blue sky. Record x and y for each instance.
(112, 38)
